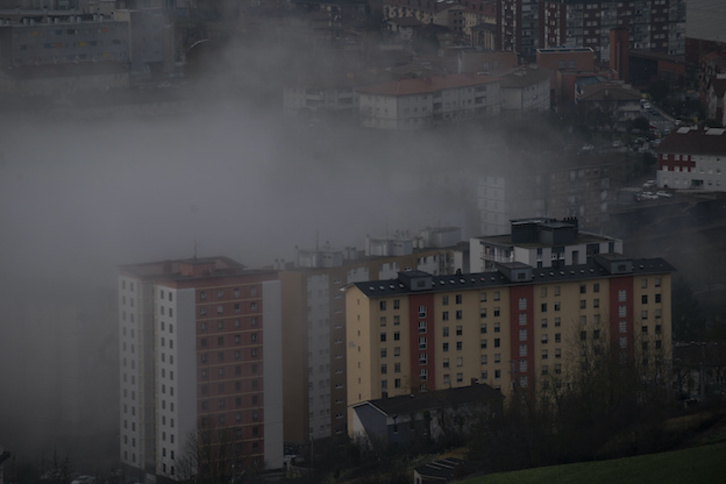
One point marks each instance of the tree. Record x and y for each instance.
(689, 323)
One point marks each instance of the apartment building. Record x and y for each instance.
(314, 319)
(535, 187)
(540, 242)
(654, 25)
(62, 51)
(410, 104)
(201, 364)
(512, 328)
(693, 158)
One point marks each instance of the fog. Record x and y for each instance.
(80, 197)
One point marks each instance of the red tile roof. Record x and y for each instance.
(695, 141)
(405, 87)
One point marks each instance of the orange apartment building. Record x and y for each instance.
(510, 328)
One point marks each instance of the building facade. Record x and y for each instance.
(314, 313)
(654, 25)
(533, 188)
(200, 368)
(512, 328)
(540, 243)
(411, 104)
(693, 158)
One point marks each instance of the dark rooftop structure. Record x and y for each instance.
(602, 266)
(695, 141)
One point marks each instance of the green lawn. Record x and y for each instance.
(705, 464)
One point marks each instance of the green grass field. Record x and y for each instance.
(703, 464)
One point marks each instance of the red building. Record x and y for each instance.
(200, 368)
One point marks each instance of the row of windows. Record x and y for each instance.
(204, 325)
(236, 293)
(222, 404)
(237, 338)
(237, 308)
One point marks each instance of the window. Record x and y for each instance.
(522, 303)
(396, 336)
(383, 352)
(445, 316)
(643, 283)
(497, 327)
(483, 344)
(422, 311)
(423, 374)
(384, 369)
(445, 300)
(496, 312)
(483, 313)
(622, 311)
(396, 304)
(397, 351)
(497, 374)
(543, 307)
(422, 343)
(583, 288)
(459, 314)
(383, 337)
(459, 346)
(596, 287)
(382, 305)
(657, 298)
(482, 297)
(220, 309)
(458, 299)
(622, 295)
(543, 289)
(644, 299)
(483, 328)
(459, 330)
(558, 337)
(583, 304)
(522, 350)
(203, 295)
(446, 362)
(496, 295)
(558, 322)
(445, 347)
(497, 342)
(557, 306)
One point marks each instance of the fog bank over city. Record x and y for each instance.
(82, 198)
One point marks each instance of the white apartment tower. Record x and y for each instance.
(200, 354)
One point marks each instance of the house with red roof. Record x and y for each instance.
(411, 104)
(693, 158)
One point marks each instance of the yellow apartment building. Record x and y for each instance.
(511, 328)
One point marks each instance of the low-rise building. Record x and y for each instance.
(407, 420)
(693, 158)
(540, 243)
(410, 104)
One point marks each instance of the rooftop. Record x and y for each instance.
(407, 404)
(185, 269)
(483, 280)
(427, 85)
(695, 141)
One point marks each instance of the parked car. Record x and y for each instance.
(649, 184)
(664, 194)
